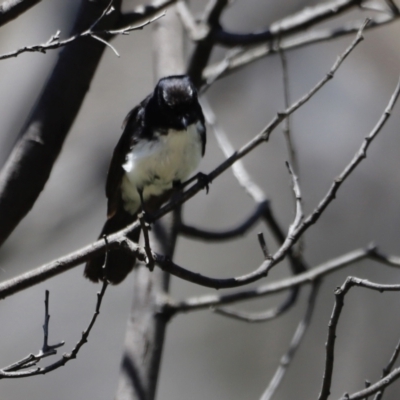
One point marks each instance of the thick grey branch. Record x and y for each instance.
(28, 167)
(11, 9)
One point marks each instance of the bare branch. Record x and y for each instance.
(388, 368)
(46, 351)
(14, 371)
(142, 12)
(294, 23)
(340, 293)
(204, 47)
(264, 316)
(29, 165)
(213, 300)
(239, 230)
(55, 43)
(239, 58)
(297, 195)
(294, 344)
(381, 384)
(273, 313)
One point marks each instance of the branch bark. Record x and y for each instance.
(147, 323)
(30, 163)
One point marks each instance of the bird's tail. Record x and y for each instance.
(119, 263)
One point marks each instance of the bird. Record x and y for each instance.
(163, 140)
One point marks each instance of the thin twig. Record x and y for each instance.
(241, 57)
(286, 98)
(388, 369)
(14, 371)
(263, 245)
(294, 344)
(299, 216)
(46, 350)
(273, 313)
(381, 384)
(54, 42)
(263, 316)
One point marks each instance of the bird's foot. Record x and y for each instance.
(203, 179)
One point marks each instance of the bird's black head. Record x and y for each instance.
(176, 99)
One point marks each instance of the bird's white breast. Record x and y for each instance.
(153, 166)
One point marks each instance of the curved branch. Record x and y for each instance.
(240, 229)
(15, 370)
(240, 58)
(263, 316)
(388, 369)
(213, 300)
(294, 23)
(340, 294)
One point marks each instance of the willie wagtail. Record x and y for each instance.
(163, 140)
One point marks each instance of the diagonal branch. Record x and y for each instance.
(238, 58)
(388, 369)
(30, 163)
(294, 344)
(213, 300)
(11, 9)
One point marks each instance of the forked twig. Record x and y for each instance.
(18, 369)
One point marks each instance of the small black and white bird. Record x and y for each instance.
(162, 143)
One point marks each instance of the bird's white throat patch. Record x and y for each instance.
(153, 165)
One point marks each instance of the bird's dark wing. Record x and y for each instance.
(132, 130)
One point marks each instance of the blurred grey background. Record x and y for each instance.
(208, 356)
